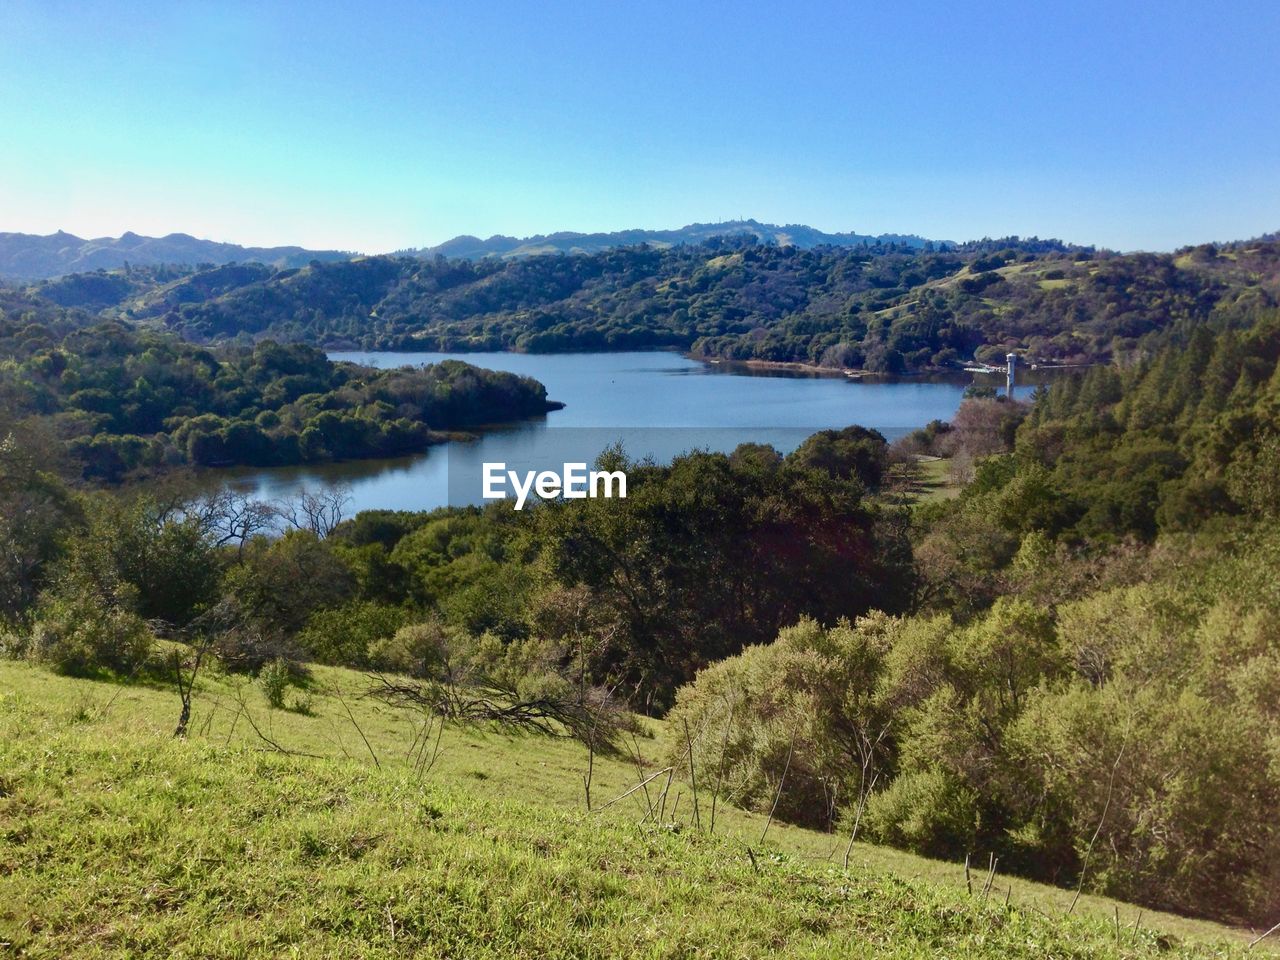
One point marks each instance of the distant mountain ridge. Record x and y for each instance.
(797, 235)
(29, 256)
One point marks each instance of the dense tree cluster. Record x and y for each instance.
(703, 556)
(124, 399)
(1181, 438)
(717, 551)
(1089, 687)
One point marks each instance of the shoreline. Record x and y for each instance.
(793, 366)
(764, 366)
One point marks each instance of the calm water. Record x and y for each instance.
(656, 403)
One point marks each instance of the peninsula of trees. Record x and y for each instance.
(119, 399)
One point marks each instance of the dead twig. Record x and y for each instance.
(638, 758)
(351, 716)
(781, 780)
(268, 740)
(638, 786)
(857, 817)
(1257, 940)
(424, 763)
(693, 777)
(1106, 807)
(665, 790)
(236, 719)
(866, 748)
(595, 721)
(724, 746)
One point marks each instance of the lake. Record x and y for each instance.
(655, 403)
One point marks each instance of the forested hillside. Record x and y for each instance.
(26, 256)
(883, 308)
(567, 241)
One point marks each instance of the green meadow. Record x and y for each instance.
(334, 828)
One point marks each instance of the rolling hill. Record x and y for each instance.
(797, 235)
(311, 831)
(28, 256)
(882, 308)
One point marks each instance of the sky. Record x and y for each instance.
(374, 125)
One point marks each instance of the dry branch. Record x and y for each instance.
(781, 780)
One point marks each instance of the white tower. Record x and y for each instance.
(1011, 377)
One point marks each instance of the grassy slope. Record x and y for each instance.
(935, 481)
(115, 840)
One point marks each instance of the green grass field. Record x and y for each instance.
(936, 480)
(117, 840)
(930, 479)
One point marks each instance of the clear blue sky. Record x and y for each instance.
(379, 125)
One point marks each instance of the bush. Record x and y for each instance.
(928, 812)
(274, 680)
(80, 634)
(13, 645)
(805, 704)
(419, 649)
(282, 582)
(343, 635)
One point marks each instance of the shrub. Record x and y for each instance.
(419, 649)
(805, 704)
(274, 680)
(79, 634)
(343, 635)
(281, 584)
(13, 645)
(928, 812)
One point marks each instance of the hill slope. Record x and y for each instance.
(116, 840)
(28, 256)
(885, 308)
(797, 235)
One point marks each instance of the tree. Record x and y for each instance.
(36, 511)
(279, 586)
(320, 512)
